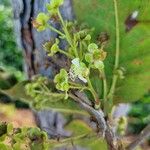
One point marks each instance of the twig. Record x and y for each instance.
(102, 124)
(142, 136)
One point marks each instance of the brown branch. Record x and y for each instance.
(103, 126)
(142, 136)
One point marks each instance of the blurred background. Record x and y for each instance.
(11, 72)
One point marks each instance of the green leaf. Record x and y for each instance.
(134, 43)
(3, 129)
(78, 127)
(64, 106)
(10, 129)
(5, 147)
(17, 92)
(92, 142)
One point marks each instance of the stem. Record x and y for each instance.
(116, 65)
(103, 126)
(74, 138)
(81, 50)
(104, 85)
(142, 136)
(74, 84)
(63, 142)
(117, 35)
(68, 37)
(65, 53)
(112, 89)
(49, 94)
(45, 87)
(97, 102)
(78, 87)
(55, 30)
(70, 111)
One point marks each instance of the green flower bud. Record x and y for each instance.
(40, 23)
(88, 37)
(89, 57)
(52, 49)
(53, 6)
(61, 80)
(99, 64)
(92, 47)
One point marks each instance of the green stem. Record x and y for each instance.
(68, 37)
(117, 35)
(70, 111)
(45, 87)
(81, 50)
(55, 30)
(49, 94)
(65, 53)
(79, 87)
(69, 140)
(115, 77)
(74, 85)
(104, 85)
(97, 102)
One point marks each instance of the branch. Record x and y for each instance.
(102, 124)
(140, 139)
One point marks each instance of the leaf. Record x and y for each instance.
(10, 128)
(3, 129)
(134, 41)
(83, 136)
(5, 147)
(65, 106)
(6, 80)
(18, 92)
(78, 127)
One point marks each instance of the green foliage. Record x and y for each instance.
(83, 136)
(9, 77)
(24, 138)
(134, 44)
(139, 114)
(8, 50)
(35, 139)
